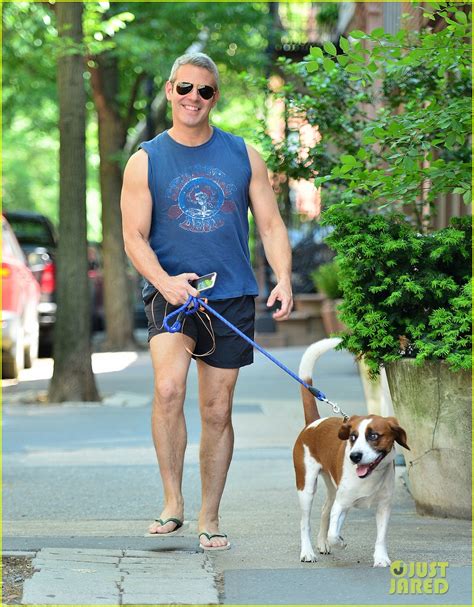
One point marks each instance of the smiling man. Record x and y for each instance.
(185, 201)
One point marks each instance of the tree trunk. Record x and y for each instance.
(73, 379)
(117, 288)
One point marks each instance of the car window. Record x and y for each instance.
(29, 231)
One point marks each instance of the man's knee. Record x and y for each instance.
(216, 411)
(168, 393)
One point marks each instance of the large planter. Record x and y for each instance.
(433, 405)
(330, 316)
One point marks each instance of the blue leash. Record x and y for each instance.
(192, 306)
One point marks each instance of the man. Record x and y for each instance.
(185, 202)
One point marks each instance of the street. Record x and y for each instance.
(80, 478)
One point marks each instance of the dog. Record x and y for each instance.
(355, 457)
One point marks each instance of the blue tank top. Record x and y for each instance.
(200, 211)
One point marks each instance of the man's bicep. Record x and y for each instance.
(136, 201)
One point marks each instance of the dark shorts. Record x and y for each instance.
(231, 351)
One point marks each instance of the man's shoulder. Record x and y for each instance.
(153, 144)
(229, 136)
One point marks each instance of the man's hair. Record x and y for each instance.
(197, 59)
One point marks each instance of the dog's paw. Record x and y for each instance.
(381, 560)
(324, 547)
(337, 541)
(307, 556)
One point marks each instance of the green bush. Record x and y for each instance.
(326, 280)
(406, 294)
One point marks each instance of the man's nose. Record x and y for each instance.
(356, 456)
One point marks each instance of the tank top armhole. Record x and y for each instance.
(144, 146)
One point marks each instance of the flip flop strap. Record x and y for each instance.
(169, 520)
(210, 536)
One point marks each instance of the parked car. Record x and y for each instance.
(20, 299)
(38, 239)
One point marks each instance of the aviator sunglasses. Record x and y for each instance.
(205, 91)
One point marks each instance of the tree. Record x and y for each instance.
(72, 378)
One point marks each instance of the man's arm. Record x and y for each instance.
(136, 205)
(273, 234)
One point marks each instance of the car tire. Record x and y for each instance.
(14, 362)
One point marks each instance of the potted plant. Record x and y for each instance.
(407, 303)
(326, 281)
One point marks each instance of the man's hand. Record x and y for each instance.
(176, 289)
(282, 293)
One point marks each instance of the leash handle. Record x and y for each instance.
(185, 310)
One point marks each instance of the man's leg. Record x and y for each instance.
(216, 391)
(170, 365)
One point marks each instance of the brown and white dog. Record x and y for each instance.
(355, 459)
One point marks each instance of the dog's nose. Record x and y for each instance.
(356, 456)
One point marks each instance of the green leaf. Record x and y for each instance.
(342, 60)
(312, 66)
(316, 52)
(348, 159)
(378, 32)
(328, 64)
(344, 44)
(467, 198)
(461, 17)
(354, 68)
(330, 48)
(357, 34)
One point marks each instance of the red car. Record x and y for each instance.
(20, 299)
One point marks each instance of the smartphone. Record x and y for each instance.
(204, 282)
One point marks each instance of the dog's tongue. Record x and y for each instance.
(362, 469)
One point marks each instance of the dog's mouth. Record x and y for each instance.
(363, 470)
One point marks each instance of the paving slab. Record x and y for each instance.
(63, 576)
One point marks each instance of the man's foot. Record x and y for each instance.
(213, 541)
(168, 523)
(210, 538)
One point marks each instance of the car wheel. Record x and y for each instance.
(14, 362)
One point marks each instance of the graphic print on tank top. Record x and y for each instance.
(200, 198)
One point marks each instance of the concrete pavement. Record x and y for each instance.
(81, 487)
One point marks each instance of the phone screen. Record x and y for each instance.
(204, 282)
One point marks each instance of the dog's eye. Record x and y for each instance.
(374, 436)
(352, 438)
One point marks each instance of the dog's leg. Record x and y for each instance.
(338, 514)
(382, 517)
(306, 496)
(323, 544)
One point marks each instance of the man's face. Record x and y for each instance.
(191, 110)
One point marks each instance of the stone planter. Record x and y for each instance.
(309, 303)
(433, 405)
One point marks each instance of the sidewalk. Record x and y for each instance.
(100, 556)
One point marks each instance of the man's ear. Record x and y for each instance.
(398, 432)
(168, 90)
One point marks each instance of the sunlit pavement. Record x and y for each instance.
(104, 362)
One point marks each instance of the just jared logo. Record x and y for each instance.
(418, 577)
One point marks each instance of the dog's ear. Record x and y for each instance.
(398, 432)
(345, 429)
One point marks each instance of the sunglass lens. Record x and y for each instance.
(205, 91)
(183, 88)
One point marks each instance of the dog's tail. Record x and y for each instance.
(310, 356)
